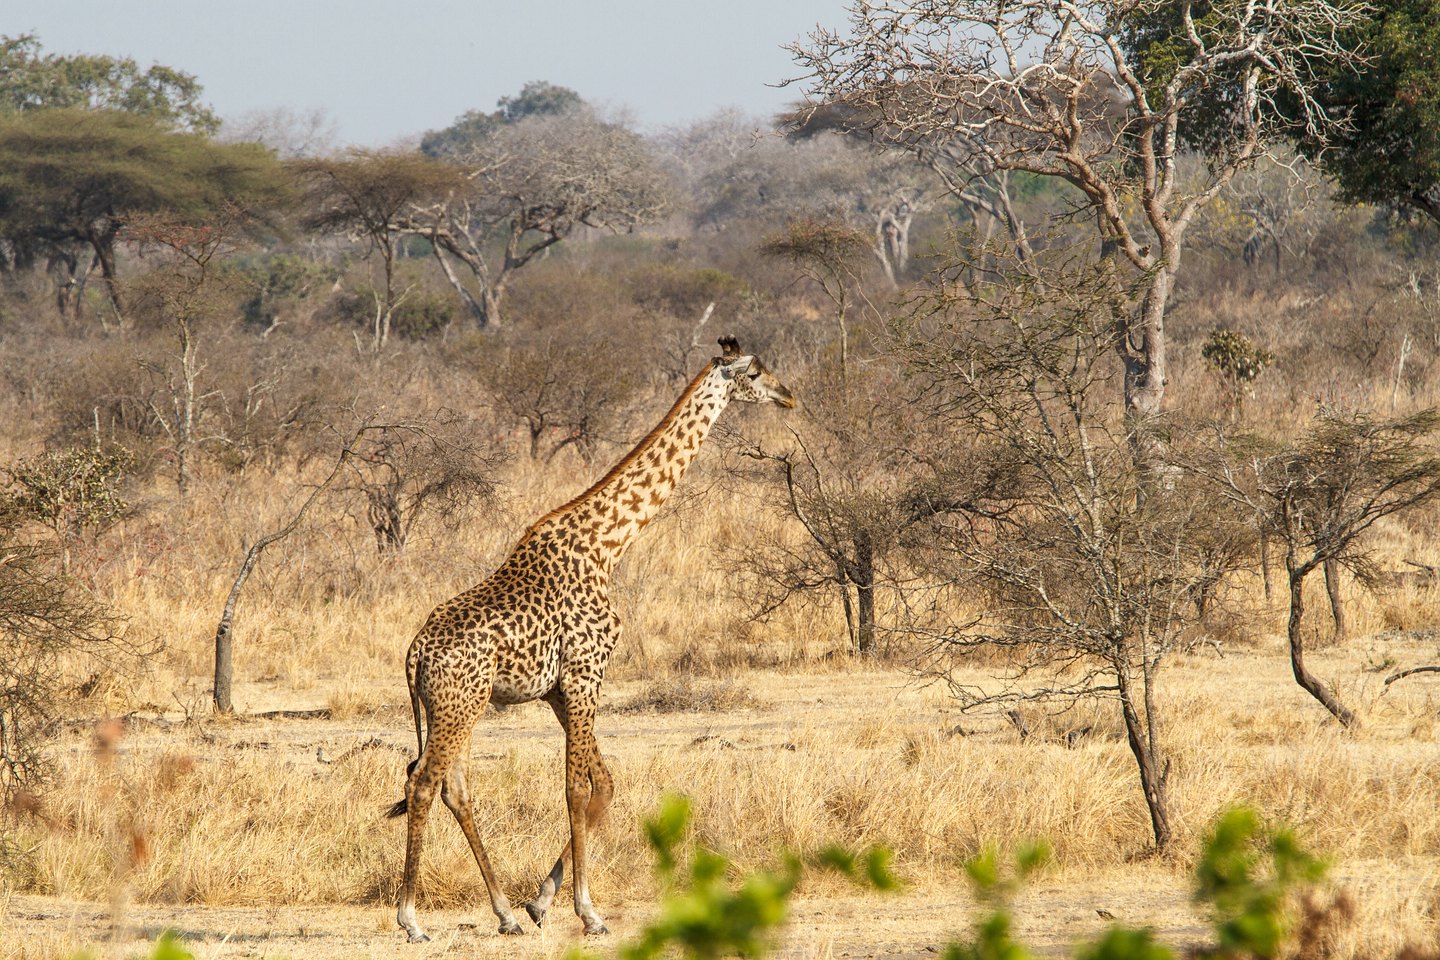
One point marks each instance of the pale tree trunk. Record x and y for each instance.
(476, 307)
(222, 690)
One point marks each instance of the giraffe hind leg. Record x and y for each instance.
(456, 796)
(602, 788)
(419, 795)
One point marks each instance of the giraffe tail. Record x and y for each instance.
(402, 805)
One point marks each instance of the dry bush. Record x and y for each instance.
(687, 695)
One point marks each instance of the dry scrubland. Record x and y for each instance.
(782, 739)
(264, 836)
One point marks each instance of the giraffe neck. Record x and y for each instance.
(607, 517)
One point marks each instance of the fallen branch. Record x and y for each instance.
(1405, 673)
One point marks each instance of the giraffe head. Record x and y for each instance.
(748, 378)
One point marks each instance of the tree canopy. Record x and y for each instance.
(538, 98)
(72, 177)
(33, 80)
(1389, 150)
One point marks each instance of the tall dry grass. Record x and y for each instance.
(239, 813)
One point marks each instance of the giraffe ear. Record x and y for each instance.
(729, 349)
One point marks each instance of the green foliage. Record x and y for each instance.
(1234, 357)
(1390, 151)
(167, 947)
(995, 886)
(705, 916)
(1252, 905)
(33, 80)
(72, 177)
(271, 278)
(423, 314)
(536, 99)
(1252, 899)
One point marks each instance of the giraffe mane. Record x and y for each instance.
(630, 457)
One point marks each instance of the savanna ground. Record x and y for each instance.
(264, 835)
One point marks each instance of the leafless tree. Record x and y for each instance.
(185, 292)
(820, 175)
(826, 252)
(292, 134)
(842, 481)
(46, 620)
(566, 392)
(1038, 524)
(438, 463)
(1101, 95)
(528, 185)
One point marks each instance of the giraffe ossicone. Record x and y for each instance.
(541, 627)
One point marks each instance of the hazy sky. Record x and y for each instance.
(387, 69)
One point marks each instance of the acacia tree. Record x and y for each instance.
(71, 180)
(528, 185)
(1035, 501)
(1101, 95)
(1321, 494)
(826, 253)
(368, 194)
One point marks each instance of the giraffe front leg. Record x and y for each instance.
(456, 795)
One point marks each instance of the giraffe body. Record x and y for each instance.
(541, 627)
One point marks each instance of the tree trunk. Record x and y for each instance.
(865, 595)
(1142, 347)
(1265, 562)
(490, 304)
(224, 632)
(1153, 774)
(476, 308)
(1337, 603)
(105, 254)
(1297, 651)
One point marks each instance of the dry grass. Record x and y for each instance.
(781, 739)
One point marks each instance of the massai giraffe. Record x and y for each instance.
(542, 627)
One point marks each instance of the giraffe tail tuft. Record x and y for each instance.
(403, 804)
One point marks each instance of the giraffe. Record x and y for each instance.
(541, 627)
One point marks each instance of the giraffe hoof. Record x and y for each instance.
(418, 937)
(511, 929)
(599, 930)
(537, 914)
